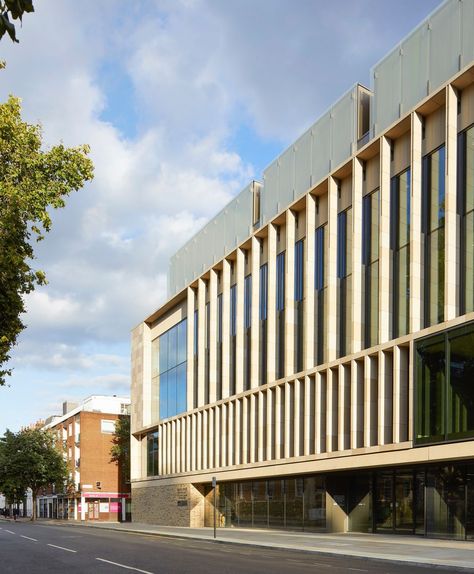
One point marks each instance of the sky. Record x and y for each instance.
(183, 103)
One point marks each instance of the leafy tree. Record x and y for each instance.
(32, 181)
(120, 450)
(16, 9)
(30, 459)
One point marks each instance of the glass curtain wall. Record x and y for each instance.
(433, 222)
(344, 279)
(320, 284)
(400, 214)
(299, 317)
(263, 311)
(466, 216)
(247, 329)
(172, 370)
(370, 262)
(280, 315)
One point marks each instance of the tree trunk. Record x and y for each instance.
(33, 514)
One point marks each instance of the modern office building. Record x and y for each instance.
(316, 352)
(97, 489)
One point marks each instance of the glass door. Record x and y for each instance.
(384, 501)
(404, 506)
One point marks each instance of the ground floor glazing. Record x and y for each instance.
(431, 500)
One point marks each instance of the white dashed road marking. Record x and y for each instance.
(124, 566)
(28, 538)
(62, 548)
(9, 531)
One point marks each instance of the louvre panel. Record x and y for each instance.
(415, 58)
(303, 164)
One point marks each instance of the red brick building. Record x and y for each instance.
(97, 490)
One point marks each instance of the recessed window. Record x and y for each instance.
(107, 427)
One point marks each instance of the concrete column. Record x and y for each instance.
(189, 445)
(288, 421)
(307, 416)
(308, 302)
(357, 405)
(238, 432)
(261, 428)
(199, 441)
(271, 316)
(201, 341)
(212, 335)
(416, 257)
(225, 327)
(297, 422)
(319, 414)
(356, 304)
(217, 437)
(385, 398)
(289, 350)
(277, 412)
(223, 434)
(231, 439)
(343, 407)
(451, 291)
(253, 427)
(370, 401)
(331, 412)
(245, 430)
(270, 419)
(194, 441)
(83, 507)
(239, 356)
(190, 306)
(331, 333)
(385, 314)
(255, 333)
(75, 509)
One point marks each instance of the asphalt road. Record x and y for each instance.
(39, 548)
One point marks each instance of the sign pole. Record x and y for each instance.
(214, 484)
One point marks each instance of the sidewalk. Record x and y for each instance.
(410, 549)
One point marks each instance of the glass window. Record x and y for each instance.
(263, 292)
(280, 280)
(400, 214)
(263, 311)
(320, 278)
(172, 353)
(280, 312)
(344, 276)
(299, 315)
(247, 301)
(370, 262)
(433, 233)
(466, 213)
(299, 269)
(444, 386)
(152, 453)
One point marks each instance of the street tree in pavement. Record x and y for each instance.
(31, 458)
